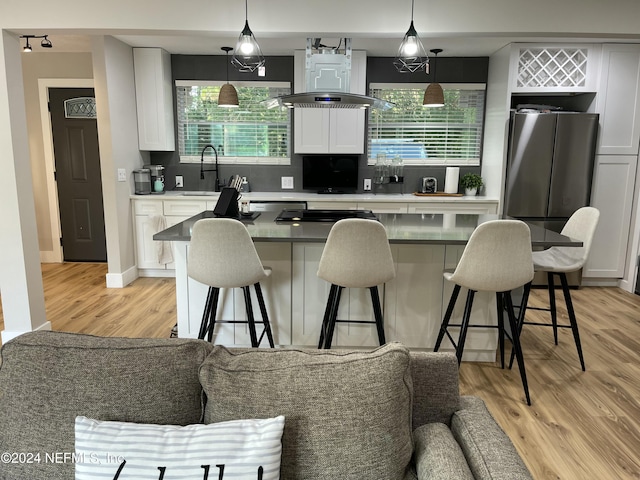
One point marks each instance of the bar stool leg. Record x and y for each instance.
(517, 347)
(447, 317)
(500, 308)
(522, 312)
(213, 309)
(327, 314)
(552, 305)
(205, 315)
(572, 317)
(265, 316)
(465, 325)
(332, 317)
(377, 312)
(250, 319)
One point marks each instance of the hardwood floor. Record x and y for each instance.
(581, 425)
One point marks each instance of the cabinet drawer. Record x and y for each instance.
(475, 208)
(383, 207)
(147, 207)
(332, 205)
(184, 208)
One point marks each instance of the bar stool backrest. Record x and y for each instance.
(580, 226)
(497, 257)
(357, 254)
(222, 254)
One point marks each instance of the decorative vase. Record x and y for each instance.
(470, 192)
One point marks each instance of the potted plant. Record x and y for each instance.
(471, 182)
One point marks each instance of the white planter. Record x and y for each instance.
(470, 192)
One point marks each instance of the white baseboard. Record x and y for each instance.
(7, 335)
(600, 282)
(121, 280)
(156, 272)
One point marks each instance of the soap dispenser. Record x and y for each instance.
(244, 186)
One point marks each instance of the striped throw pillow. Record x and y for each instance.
(237, 449)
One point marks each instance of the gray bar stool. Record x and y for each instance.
(222, 255)
(356, 255)
(497, 258)
(562, 260)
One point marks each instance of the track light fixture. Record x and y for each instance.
(228, 96)
(411, 54)
(45, 43)
(247, 56)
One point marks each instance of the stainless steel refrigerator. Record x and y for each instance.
(550, 166)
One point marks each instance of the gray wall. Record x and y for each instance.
(266, 178)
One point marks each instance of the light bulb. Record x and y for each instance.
(246, 47)
(410, 47)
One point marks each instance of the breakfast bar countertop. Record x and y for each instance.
(435, 229)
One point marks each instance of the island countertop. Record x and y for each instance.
(435, 229)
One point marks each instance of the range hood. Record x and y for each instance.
(328, 78)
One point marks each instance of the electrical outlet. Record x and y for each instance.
(179, 182)
(122, 175)
(287, 183)
(367, 184)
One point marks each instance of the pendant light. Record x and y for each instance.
(247, 56)
(228, 96)
(433, 95)
(411, 54)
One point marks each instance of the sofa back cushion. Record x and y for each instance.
(347, 413)
(49, 378)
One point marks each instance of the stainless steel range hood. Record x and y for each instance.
(328, 77)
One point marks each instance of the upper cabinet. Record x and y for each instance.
(330, 130)
(154, 99)
(559, 68)
(618, 100)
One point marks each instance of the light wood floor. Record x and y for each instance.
(581, 425)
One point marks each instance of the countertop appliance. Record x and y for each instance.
(330, 173)
(157, 177)
(142, 181)
(550, 166)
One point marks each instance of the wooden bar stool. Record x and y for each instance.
(222, 255)
(356, 255)
(497, 258)
(562, 260)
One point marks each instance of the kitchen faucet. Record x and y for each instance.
(216, 187)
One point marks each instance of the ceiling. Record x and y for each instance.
(203, 44)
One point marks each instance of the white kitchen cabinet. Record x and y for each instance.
(154, 99)
(473, 208)
(618, 100)
(330, 130)
(554, 68)
(613, 186)
(383, 207)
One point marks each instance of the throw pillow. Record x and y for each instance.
(348, 412)
(247, 449)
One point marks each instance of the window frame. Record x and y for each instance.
(423, 86)
(232, 160)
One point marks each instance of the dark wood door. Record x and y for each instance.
(77, 159)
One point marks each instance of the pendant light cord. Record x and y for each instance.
(412, 10)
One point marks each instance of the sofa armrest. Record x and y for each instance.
(437, 455)
(488, 450)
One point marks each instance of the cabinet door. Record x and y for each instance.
(146, 247)
(311, 130)
(383, 207)
(614, 178)
(154, 99)
(619, 101)
(346, 130)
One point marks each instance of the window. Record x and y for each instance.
(449, 135)
(251, 133)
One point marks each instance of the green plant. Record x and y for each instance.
(471, 180)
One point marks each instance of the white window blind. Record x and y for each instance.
(251, 133)
(449, 135)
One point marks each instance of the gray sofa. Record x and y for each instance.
(385, 414)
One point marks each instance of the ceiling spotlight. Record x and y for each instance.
(27, 47)
(46, 43)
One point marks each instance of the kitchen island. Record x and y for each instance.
(423, 246)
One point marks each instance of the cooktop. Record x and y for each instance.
(322, 215)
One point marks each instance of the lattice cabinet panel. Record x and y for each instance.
(555, 68)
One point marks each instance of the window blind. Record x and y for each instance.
(449, 135)
(251, 132)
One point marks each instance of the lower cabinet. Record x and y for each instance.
(614, 180)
